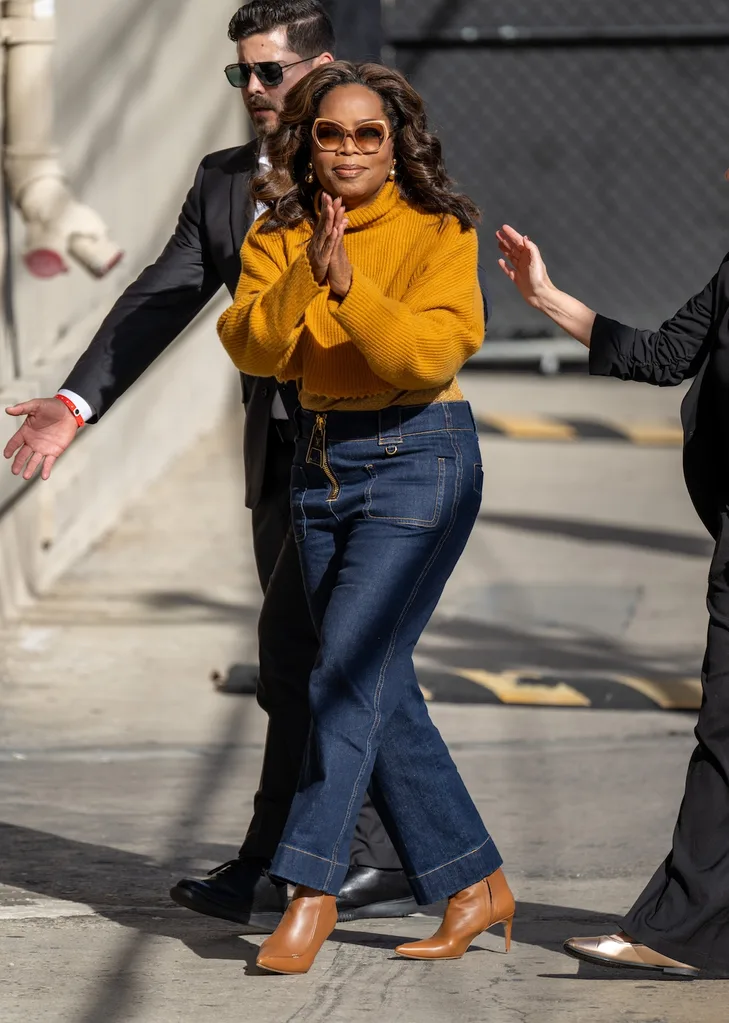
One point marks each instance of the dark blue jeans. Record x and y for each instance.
(383, 504)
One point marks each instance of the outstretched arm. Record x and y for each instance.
(667, 356)
(147, 317)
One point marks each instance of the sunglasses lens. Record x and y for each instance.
(269, 73)
(238, 75)
(369, 138)
(329, 136)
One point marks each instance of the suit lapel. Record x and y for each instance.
(241, 204)
(241, 208)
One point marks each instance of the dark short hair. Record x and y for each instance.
(420, 171)
(309, 29)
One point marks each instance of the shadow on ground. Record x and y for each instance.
(131, 890)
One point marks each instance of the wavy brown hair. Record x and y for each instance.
(420, 171)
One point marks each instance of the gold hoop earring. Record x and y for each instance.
(310, 176)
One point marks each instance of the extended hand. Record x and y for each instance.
(523, 265)
(46, 433)
(325, 236)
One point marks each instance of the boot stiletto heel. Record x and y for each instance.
(469, 913)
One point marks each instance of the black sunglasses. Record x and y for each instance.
(268, 72)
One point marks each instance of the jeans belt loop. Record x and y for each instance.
(390, 426)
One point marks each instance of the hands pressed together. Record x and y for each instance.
(326, 249)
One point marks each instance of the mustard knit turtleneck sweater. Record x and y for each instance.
(412, 317)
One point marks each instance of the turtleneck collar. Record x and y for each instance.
(384, 202)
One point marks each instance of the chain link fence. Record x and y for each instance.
(599, 128)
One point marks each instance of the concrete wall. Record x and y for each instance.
(140, 97)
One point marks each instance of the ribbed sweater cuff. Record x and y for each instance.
(361, 314)
(294, 292)
(269, 330)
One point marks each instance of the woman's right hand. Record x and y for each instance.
(523, 264)
(325, 236)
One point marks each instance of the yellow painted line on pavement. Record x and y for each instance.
(510, 690)
(647, 433)
(673, 694)
(542, 427)
(530, 427)
(427, 694)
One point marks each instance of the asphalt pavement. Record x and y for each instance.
(561, 666)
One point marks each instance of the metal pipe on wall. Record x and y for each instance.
(57, 224)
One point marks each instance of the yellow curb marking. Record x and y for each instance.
(652, 434)
(674, 694)
(545, 428)
(531, 427)
(509, 689)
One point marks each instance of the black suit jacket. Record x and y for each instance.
(679, 350)
(202, 256)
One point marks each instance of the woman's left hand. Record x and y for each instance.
(340, 269)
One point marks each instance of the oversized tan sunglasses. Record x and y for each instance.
(369, 137)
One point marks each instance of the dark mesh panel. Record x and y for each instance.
(611, 157)
(407, 17)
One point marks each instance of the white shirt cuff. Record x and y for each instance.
(87, 412)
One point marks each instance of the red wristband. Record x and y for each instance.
(72, 409)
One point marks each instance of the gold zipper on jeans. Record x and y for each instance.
(320, 433)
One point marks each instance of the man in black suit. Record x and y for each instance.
(277, 44)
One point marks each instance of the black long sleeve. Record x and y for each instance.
(151, 313)
(669, 355)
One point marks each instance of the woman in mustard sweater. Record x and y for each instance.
(360, 283)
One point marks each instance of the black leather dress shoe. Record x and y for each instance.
(237, 891)
(369, 893)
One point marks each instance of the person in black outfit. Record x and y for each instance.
(680, 923)
(277, 44)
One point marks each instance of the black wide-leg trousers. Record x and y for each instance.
(288, 647)
(684, 911)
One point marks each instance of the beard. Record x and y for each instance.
(264, 126)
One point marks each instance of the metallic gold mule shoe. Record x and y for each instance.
(614, 950)
(468, 914)
(307, 923)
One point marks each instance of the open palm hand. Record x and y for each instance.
(523, 264)
(48, 430)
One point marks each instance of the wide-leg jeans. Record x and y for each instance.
(382, 506)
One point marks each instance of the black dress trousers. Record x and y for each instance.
(684, 911)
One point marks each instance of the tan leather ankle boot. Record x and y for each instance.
(307, 923)
(469, 912)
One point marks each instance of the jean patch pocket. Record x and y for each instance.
(299, 486)
(406, 489)
(478, 478)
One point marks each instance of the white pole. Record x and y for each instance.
(57, 224)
